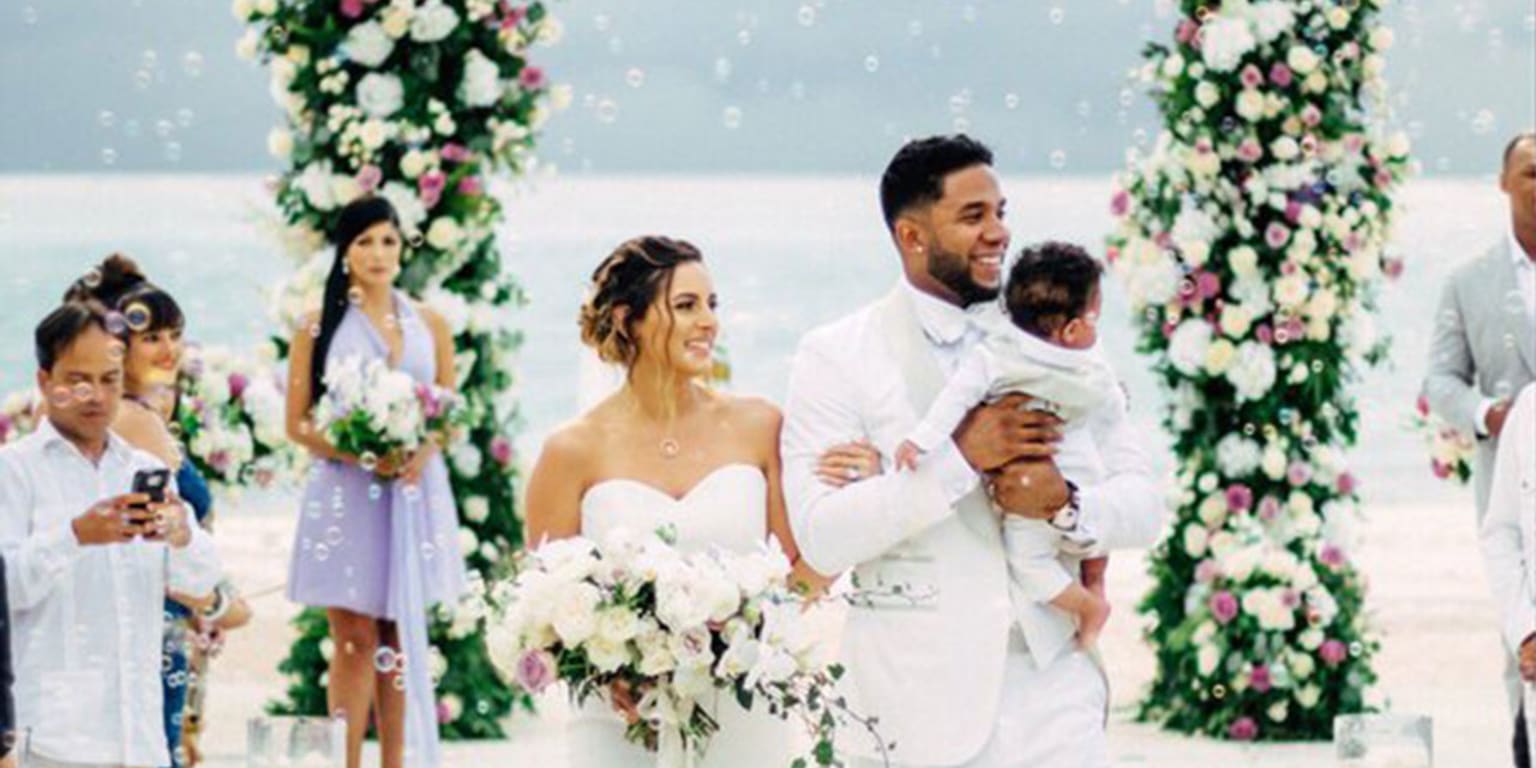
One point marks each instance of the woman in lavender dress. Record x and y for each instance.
(376, 542)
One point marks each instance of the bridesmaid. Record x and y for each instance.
(376, 545)
(151, 324)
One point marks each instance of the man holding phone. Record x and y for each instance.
(92, 533)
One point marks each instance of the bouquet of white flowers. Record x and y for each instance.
(377, 413)
(669, 628)
(18, 415)
(1450, 450)
(229, 417)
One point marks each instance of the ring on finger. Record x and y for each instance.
(853, 473)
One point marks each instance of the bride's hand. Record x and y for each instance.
(848, 462)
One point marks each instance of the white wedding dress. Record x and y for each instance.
(728, 508)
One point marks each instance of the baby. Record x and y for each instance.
(1046, 351)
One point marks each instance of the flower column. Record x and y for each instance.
(1251, 243)
(417, 102)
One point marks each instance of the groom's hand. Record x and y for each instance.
(1528, 659)
(1031, 488)
(995, 434)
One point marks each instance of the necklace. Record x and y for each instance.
(669, 448)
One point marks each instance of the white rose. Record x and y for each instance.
(1279, 711)
(1398, 145)
(655, 654)
(266, 7)
(433, 22)
(1284, 148)
(1273, 462)
(1301, 59)
(574, 612)
(481, 86)
(466, 458)
(1173, 66)
(367, 44)
(444, 234)
(1196, 540)
(1250, 104)
(380, 95)
(1208, 657)
(1311, 638)
(468, 541)
(1237, 455)
(617, 624)
(1301, 664)
(248, 45)
(1226, 41)
(414, 163)
(551, 31)
(1243, 260)
(396, 20)
(1196, 253)
(1308, 695)
(1382, 38)
(315, 184)
(1338, 18)
(444, 124)
(605, 654)
(407, 205)
(1271, 19)
(373, 134)
(241, 9)
(1213, 510)
(280, 143)
(477, 509)
(1207, 94)
(1187, 347)
(1218, 357)
(1253, 372)
(1291, 290)
(1236, 320)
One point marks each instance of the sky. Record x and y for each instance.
(755, 86)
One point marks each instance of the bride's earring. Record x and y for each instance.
(346, 269)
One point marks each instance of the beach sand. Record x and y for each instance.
(1441, 654)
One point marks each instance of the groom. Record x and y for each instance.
(933, 652)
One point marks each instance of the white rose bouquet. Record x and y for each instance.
(635, 617)
(1450, 450)
(229, 418)
(379, 414)
(18, 415)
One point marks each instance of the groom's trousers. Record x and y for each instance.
(1046, 718)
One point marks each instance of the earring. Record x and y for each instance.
(345, 268)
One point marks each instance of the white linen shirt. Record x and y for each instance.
(1509, 529)
(87, 622)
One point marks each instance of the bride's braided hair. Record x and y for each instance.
(633, 276)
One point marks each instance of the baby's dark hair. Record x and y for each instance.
(1050, 283)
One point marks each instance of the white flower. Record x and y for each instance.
(468, 541)
(1250, 104)
(1271, 19)
(1291, 291)
(1207, 658)
(1284, 148)
(551, 31)
(605, 654)
(617, 624)
(481, 86)
(1311, 639)
(280, 143)
(1243, 260)
(1301, 59)
(1187, 347)
(1398, 145)
(560, 96)
(1226, 41)
(1173, 66)
(1196, 540)
(1253, 372)
(412, 213)
(465, 458)
(1207, 94)
(414, 163)
(373, 134)
(1308, 695)
(476, 509)
(380, 95)
(1302, 665)
(315, 184)
(367, 44)
(241, 9)
(655, 653)
(1218, 357)
(1213, 509)
(444, 233)
(1236, 320)
(266, 7)
(1237, 455)
(433, 22)
(248, 45)
(1279, 711)
(1268, 607)
(574, 612)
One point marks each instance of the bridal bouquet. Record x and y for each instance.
(1450, 451)
(675, 630)
(229, 417)
(18, 415)
(374, 412)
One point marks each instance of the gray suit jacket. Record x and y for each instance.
(1484, 347)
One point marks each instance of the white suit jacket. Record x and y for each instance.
(1509, 527)
(927, 662)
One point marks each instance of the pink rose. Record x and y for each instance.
(1422, 405)
(1120, 203)
(469, 186)
(1333, 652)
(369, 176)
(1264, 334)
(1251, 77)
(1207, 571)
(444, 714)
(1392, 267)
(431, 185)
(1208, 283)
(1243, 729)
(454, 152)
(1346, 483)
(237, 385)
(1239, 498)
(1277, 235)
(1259, 678)
(1223, 607)
(1269, 508)
(1250, 151)
(1111, 254)
(351, 8)
(1298, 473)
(535, 671)
(1331, 556)
(531, 78)
(1292, 211)
(501, 450)
(1280, 75)
(1186, 31)
(1311, 115)
(1440, 469)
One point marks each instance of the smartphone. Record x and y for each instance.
(152, 483)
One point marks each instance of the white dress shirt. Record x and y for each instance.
(1509, 529)
(1525, 285)
(87, 621)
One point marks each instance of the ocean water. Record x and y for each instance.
(786, 254)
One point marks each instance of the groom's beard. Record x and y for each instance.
(953, 271)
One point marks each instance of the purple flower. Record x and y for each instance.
(431, 404)
(1207, 571)
(1292, 211)
(1223, 606)
(237, 385)
(1243, 729)
(501, 450)
(469, 186)
(536, 670)
(454, 152)
(369, 177)
(1276, 234)
(1208, 283)
(431, 185)
(1259, 678)
(1333, 652)
(1298, 473)
(1250, 151)
(1280, 75)
(1269, 508)
(1264, 334)
(1332, 556)
(1239, 497)
(1346, 483)
(1120, 203)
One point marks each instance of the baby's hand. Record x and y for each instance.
(907, 455)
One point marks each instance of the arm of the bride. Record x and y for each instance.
(300, 425)
(838, 528)
(553, 503)
(802, 577)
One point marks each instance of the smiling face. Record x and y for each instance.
(953, 248)
(373, 257)
(153, 359)
(678, 330)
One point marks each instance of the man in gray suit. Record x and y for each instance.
(1484, 348)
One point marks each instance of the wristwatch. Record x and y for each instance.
(1065, 519)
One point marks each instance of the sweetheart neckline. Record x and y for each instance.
(708, 476)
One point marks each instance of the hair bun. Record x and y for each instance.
(630, 277)
(105, 282)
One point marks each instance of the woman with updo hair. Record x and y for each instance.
(664, 450)
(150, 323)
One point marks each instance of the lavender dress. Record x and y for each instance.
(342, 548)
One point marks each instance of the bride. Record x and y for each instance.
(664, 450)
